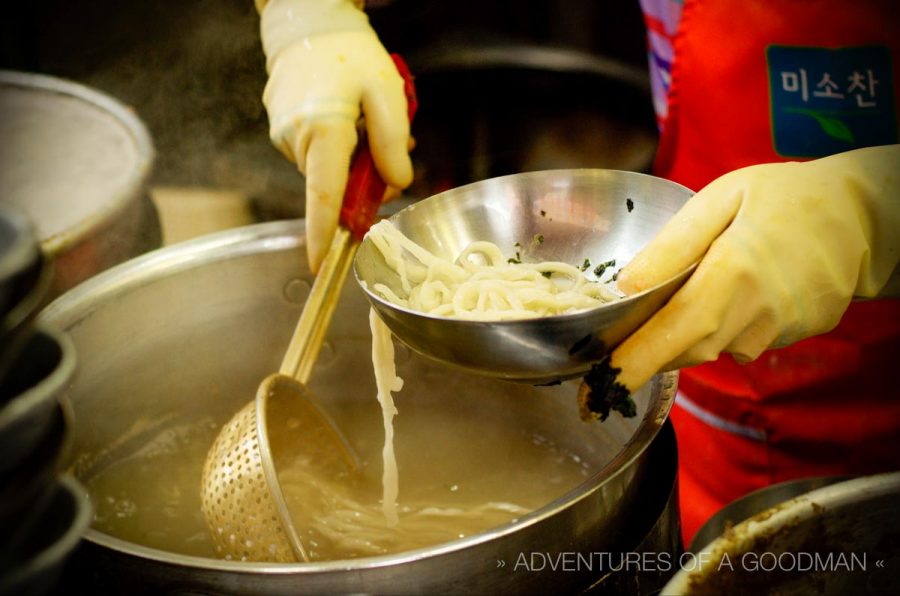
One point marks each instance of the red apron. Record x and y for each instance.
(743, 75)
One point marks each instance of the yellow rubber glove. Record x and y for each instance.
(325, 64)
(783, 248)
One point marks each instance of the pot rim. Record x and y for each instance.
(75, 305)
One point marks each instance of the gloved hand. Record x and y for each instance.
(325, 63)
(783, 248)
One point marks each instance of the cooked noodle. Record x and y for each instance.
(333, 521)
(481, 284)
(386, 380)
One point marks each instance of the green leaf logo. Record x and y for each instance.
(831, 126)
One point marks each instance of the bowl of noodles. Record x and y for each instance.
(514, 277)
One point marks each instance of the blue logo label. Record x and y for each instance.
(825, 101)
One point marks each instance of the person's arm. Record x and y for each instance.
(782, 250)
(326, 68)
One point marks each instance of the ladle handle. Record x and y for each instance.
(363, 195)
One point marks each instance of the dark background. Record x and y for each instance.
(194, 72)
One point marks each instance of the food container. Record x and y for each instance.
(25, 277)
(838, 539)
(27, 488)
(19, 251)
(42, 555)
(76, 162)
(31, 394)
(754, 503)
(186, 333)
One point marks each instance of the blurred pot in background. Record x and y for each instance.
(488, 110)
(76, 163)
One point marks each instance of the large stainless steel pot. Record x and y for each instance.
(188, 331)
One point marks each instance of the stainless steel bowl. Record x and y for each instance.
(27, 488)
(19, 250)
(31, 393)
(213, 317)
(42, 556)
(598, 215)
(25, 277)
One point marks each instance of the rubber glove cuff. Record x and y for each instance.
(284, 22)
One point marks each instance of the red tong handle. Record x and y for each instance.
(365, 188)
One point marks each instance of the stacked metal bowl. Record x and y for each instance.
(42, 512)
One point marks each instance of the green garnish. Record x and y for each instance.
(604, 394)
(602, 267)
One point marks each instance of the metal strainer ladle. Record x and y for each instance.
(241, 495)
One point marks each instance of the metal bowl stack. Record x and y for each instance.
(42, 513)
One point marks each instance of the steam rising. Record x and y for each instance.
(193, 71)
